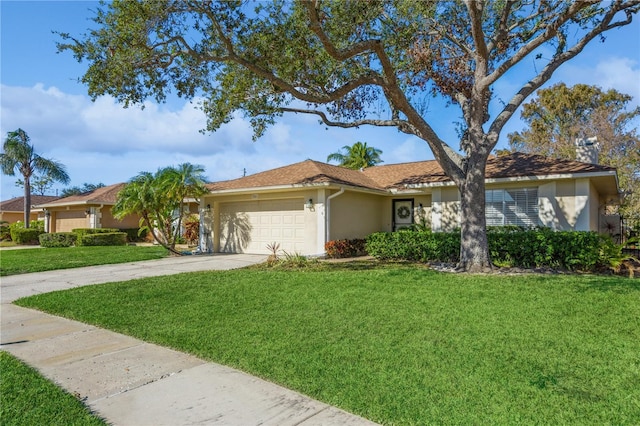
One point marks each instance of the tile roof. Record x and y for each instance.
(104, 195)
(17, 204)
(394, 176)
(307, 172)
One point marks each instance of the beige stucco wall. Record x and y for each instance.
(66, 219)
(13, 217)
(445, 209)
(106, 220)
(355, 215)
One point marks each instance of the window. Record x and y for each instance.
(512, 207)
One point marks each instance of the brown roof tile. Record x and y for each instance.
(104, 195)
(393, 176)
(307, 172)
(17, 204)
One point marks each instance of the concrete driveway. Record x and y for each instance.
(16, 286)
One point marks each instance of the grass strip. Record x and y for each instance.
(398, 344)
(24, 261)
(27, 398)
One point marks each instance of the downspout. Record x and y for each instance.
(328, 212)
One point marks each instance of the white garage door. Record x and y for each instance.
(249, 226)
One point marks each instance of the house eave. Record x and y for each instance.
(294, 187)
(74, 203)
(514, 179)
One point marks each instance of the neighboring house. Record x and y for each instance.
(89, 210)
(13, 210)
(304, 205)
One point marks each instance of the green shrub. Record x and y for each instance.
(421, 246)
(25, 235)
(58, 239)
(135, 234)
(508, 246)
(5, 231)
(82, 232)
(337, 249)
(22, 235)
(105, 239)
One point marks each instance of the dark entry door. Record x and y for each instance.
(402, 214)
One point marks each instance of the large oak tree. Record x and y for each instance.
(341, 60)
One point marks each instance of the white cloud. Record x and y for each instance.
(52, 118)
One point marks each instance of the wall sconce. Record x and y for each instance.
(208, 208)
(87, 212)
(47, 213)
(309, 204)
(420, 206)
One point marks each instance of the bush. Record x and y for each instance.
(135, 234)
(25, 235)
(336, 249)
(58, 239)
(508, 246)
(421, 246)
(82, 232)
(5, 231)
(104, 239)
(22, 235)
(192, 229)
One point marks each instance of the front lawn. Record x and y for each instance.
(22, 261)
(398, 344)
(27, 398)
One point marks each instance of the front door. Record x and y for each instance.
(402, 214)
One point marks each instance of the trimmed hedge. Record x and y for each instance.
(25, 235)
(58, 239)
(336, 249)
(514, 247)
(82, 232)
(417, 246)
(104, 239)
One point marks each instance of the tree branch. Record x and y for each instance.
(557, 60)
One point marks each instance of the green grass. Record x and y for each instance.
(48, 259)
(398, 344)
(27, 398)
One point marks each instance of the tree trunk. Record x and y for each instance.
(474, 249)
(27, 201)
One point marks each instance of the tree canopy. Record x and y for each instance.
(77, 190)
(350, 63)
(559, 115)
(20, 156)
(357, 156)
(159, 199)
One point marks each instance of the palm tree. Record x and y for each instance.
(357, 156)
(157, 197)
(20, 155)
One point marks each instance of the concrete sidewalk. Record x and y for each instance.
(131, 382)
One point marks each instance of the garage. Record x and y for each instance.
(69, 220)
(249, 226)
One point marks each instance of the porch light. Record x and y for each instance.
(309, 204)
(208, 208)
(87, 212)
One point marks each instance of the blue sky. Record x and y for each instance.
(103, 142)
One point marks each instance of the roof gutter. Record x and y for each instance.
(327, 214)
